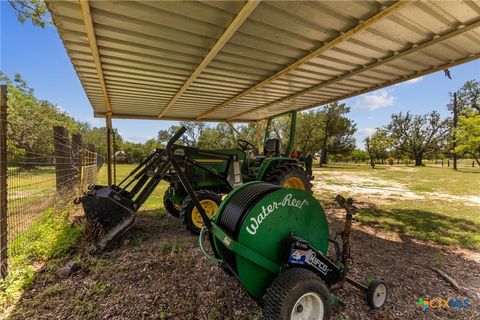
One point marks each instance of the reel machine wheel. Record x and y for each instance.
(297, 294)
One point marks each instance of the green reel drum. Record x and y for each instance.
(252, 223)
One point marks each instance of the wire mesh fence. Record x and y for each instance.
(33, 181)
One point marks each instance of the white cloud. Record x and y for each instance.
(366, 131)
(136, 139)
(375, 100)
(360, 136)
(414, 80)
(411, 81)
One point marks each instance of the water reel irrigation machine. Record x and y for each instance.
(273, 239)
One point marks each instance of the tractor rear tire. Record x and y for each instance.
(170, 206)
(289, 176)
(189, 214)
(297, 293)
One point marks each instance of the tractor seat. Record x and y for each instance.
(272, 147)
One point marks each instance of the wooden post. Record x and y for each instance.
(3, 182)
(63, 165)
(108, 121)
(455, 125)
(77, 146)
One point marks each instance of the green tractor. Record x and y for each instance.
(210, 175)
(274, 240)
(208, 172)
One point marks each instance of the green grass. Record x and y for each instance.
(435, 217)
(154, 204)
(50, 237)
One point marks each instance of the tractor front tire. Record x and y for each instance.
(289, 176)
(170, 206)
(190, 216)
(297, 293)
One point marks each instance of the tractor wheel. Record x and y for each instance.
(172, 207)
(189, 214)
(289, 176)
(297, 293)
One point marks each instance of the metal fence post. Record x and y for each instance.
(3, 182)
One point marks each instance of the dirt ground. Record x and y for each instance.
(156, 271)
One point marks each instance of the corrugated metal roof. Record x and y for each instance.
(247, 60)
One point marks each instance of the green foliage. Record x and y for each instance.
(31, 120)
(391, 160)
(34, 10)
(191, 136)
(338, 130)
(309, 134)
(359, 155)
(137, 151)
(378, 145)
(418, 135)
(468, 136)
(468, 98)
(50, 236)
(217, 138)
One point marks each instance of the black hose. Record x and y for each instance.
(231, 219)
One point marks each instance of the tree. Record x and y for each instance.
(189, 138)
(380, 144)
(220, 137)
(34, 10)
(30, 122)
(309, 135)
(370, 150)
(360, 155)
(468, 98)
(468, 136)
(418, 135)
(335, 126)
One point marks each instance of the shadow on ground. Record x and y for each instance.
(156, 271)
(425, 225)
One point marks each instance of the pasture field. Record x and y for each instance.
(428, 203)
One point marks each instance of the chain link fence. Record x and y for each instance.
(33, 182)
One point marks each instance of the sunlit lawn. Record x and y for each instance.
(447, 210)
(154, 204)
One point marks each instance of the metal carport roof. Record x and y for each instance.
(247, 60)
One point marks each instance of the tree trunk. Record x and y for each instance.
(323, 156)
(418, 160)
(477, 160)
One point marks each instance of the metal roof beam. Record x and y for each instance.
(332, 43)
(228, 33)
(92, 40)
(397, 55)
(396, 81)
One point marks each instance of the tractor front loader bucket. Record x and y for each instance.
(109, 214)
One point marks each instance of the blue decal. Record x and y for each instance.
(298, 256)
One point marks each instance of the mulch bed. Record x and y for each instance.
(156, 271)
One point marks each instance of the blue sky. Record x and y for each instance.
(38, 54)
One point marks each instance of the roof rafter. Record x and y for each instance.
(244, 13)
(393, 82)
(92, 40)
(326, 46)
(416, 47)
